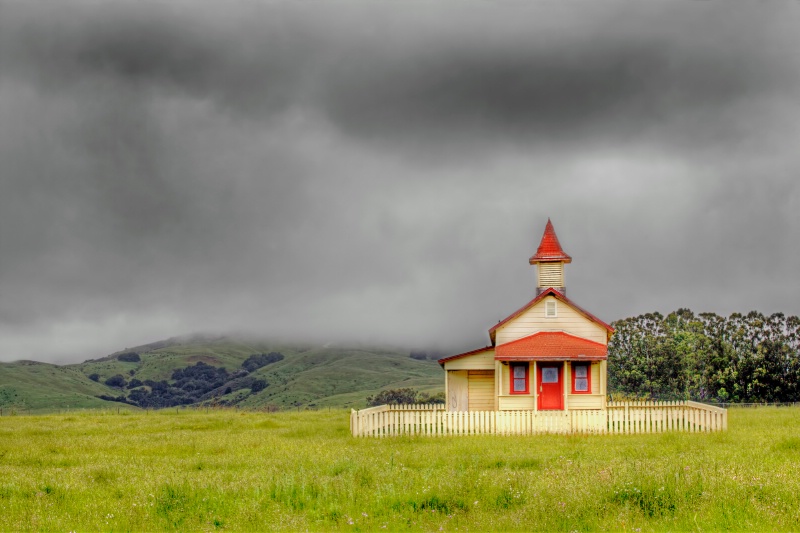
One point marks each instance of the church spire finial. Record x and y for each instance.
(549, 248)
(550, 259)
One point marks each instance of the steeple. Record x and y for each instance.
(550, 260)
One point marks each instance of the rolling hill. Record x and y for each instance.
(296, 375)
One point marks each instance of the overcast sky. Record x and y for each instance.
(381, 172)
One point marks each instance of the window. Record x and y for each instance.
(550, 310)
(519, 378)
(581, 378)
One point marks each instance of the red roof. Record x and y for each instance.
(443, 360)
(558, 296)
(549, 248)
(551, 346)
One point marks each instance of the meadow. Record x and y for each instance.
(236, 470)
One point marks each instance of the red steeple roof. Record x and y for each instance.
(550, 248)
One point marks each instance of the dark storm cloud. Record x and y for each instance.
(246, 58)
(510, 77)
(536, 72)
(267, 166)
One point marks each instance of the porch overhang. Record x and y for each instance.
(553, 358)
(551, 346)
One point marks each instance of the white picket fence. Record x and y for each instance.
(617, 418)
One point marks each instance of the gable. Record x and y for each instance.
(535, 318)
(480, 359)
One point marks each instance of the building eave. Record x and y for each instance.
(444, 360)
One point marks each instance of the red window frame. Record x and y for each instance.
(588, 378)
(527, 378)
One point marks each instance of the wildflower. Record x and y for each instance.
(364, 514)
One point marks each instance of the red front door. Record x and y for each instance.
(550, 385)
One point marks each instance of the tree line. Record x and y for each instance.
(191, 384)
(706, 357)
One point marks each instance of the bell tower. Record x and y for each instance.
(550, 260)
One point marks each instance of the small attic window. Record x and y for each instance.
(550, 310)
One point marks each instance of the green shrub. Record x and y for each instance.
(116, 381)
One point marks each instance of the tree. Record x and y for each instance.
(741, 358)
(116, 381)
(393, 396)
(258, 360)
(404, 396)
(258, 385)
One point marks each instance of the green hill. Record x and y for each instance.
(31, 386)
(297, 376)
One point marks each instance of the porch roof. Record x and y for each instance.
(551, 346)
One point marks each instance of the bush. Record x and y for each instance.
(129, 357)
(393, 396)
(120, 399)
(424, 397)
(258, 385)
(404, 396)
(116, 381)
(94, 377)
(257, 360)
(135, 383)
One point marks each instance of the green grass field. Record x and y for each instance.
(235, 470)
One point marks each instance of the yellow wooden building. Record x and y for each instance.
(549, 355)
(544, 372)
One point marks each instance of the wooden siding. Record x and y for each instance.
(480, 361)
(533, 321)
(585, 401)
(516, 402)
(481, 390)
(504, 377)
(551, 275)
(618, 418)
(457, 390)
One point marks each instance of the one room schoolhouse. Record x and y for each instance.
(549, 355)
(544, 372)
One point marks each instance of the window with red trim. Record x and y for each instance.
(519, 378)
(581, 378)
